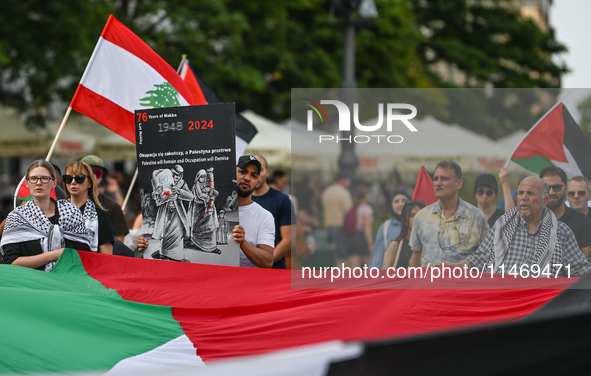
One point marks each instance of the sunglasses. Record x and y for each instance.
(411, 202)
(573, 193)
(557, 187)
(69, 178)
(98, 173)
(489, 192)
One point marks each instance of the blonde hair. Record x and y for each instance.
(77, 168)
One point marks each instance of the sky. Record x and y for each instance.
(570, 20)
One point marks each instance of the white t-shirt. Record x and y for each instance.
(259, 228)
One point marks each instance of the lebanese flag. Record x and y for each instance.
(123, 75)
(203, 94)
(424, 188)
(555, 140)
(98, 312)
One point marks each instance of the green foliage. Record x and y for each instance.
(253, 52)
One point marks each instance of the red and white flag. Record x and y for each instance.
(123, 75)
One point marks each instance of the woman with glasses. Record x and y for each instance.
(390, 229)
(399, 251)
(37, 232)
(80, 187)
(485, 191)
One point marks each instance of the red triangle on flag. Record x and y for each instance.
(24, 194)
(546, 138)
(424, 188)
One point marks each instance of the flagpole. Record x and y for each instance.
(184, 58)
(129, 190)
(531, 129)
(58, 134)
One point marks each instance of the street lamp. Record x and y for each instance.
(348, 160)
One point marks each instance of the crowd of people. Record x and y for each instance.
(536, 227)
(280, 230)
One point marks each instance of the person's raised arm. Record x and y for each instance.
(507, 195)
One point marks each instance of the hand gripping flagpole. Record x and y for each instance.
(184, 58)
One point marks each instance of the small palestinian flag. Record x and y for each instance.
(22, 193)
(555, 140)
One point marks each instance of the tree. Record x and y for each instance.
(253, 53)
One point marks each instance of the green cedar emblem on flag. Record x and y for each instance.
(165, 95)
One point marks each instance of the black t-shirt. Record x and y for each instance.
(579, 224)
(117, 218)
(33, 247)
(279, 205)
(106, 234)
(493, 218)
(405, 254)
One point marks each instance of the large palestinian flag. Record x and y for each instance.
(555, 140)
(123, 75)
(98, 312)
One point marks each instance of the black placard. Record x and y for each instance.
(187, 174)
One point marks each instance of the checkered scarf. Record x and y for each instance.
(28, 222)
(505, 229)
(91, 222)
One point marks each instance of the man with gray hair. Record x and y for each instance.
(449, 229)
(529, 235)
(578, 194)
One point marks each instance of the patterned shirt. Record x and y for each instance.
(522, 251)
(454, 239)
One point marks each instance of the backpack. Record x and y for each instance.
(350, 222)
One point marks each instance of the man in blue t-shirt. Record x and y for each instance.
(279, 204)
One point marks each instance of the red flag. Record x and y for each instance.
(424, 188)
(123, 75)
(203, 94)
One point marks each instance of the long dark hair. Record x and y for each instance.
(405, 217)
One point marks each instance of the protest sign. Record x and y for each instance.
(187, 175)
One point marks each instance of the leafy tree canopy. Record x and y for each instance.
(253, 52)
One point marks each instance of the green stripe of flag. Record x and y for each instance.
(68, 314)
(535, 164)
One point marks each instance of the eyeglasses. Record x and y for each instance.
(489, 192)
(557, 187)
(573, 193)
(44, 179)
(97, 172)
(69, 178)
(410, 202)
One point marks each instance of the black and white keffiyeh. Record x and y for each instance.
(92, 225)
(28, 222)
(505, 229)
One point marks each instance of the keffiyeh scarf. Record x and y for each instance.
(28, 222)
(92, 225)
(505, 228)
